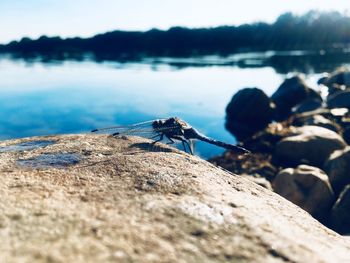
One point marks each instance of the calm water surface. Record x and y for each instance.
(75, 97)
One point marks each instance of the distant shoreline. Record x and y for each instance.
(312, 31)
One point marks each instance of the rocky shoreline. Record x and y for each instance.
(299, 141)
(90, 198)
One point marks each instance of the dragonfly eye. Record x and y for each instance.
(157, 124)
(172, 121)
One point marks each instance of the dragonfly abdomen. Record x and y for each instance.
(235, 148)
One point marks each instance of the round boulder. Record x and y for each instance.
(250, 110)
(339, 77)
(309, 145)
(307, 105)
(338, 169)
(340, 99)
(340, 216)
(307, 187)
(290, 93)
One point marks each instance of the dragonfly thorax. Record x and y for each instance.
(171, 126)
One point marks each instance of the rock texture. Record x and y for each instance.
(338, 169)
(307, 187)
(120, 200)
(311, 145)
(340, 217)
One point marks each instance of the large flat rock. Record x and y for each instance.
(89, 198)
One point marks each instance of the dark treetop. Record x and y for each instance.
(311, 31)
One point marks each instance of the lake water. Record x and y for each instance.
(44, 98)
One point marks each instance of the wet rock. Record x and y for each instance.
(292, 92)
(310, 145)
(249, 111)
(340, 217)
(119, 205)
(338, 169)
(58, 160)
(26, 146)
(307, 187)
(340, 99)
(307, 105)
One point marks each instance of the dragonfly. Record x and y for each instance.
(173, 129)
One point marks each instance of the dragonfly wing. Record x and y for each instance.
(144, 129)
(125, 128)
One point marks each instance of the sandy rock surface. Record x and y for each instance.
(89, 198)
(312, 145)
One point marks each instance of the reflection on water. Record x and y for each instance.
(283, 62)
(55, 97)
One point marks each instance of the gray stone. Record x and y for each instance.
(307, 187)
(310, 145)
(340, 217)
(26, 146)
(121, 203)
(338, 169)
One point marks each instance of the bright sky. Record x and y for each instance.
(19, 18)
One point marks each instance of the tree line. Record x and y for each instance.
(311, 31)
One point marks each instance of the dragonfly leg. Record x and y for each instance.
(184, 142)
(171, 141)
(189, 146)
(155, 136)
(160, 138)
(184, 146)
